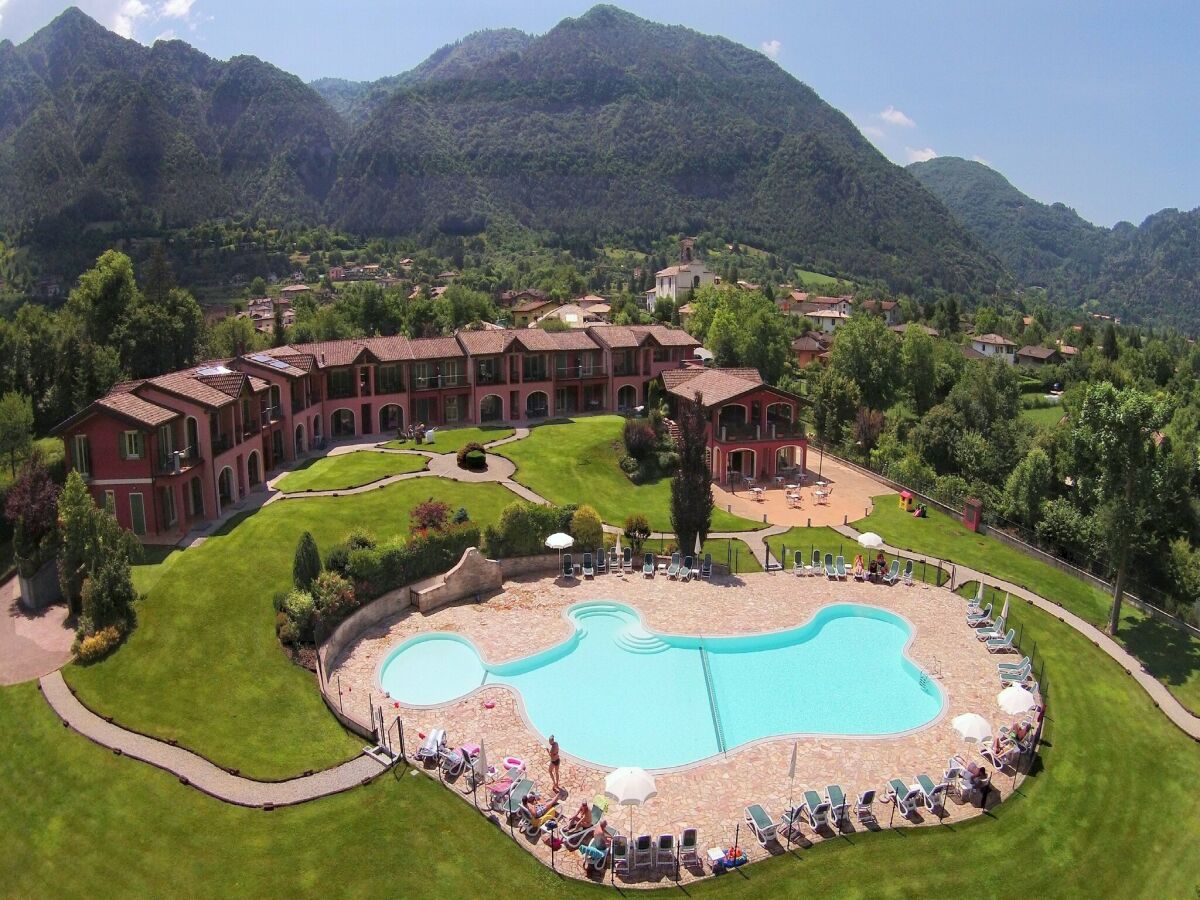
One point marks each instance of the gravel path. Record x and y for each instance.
(197, 771)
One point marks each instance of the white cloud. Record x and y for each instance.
(893, 116)
(874, 132)
(176, 9)
(920, 155)
(3, 3)
(127, 15)
(771, 48)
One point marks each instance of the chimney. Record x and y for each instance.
(322, 357)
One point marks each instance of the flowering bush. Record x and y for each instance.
(431, 515)
(97, 646)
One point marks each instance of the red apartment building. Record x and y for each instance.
(171, 451)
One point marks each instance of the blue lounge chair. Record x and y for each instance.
(648, 565)
(673, 568)
(1002, 644)
(601, 562)
(760, 823)
(706, 566)
(816, 810)
(589, 571)
(982, 617)
(893, 574)
(1025, 663)
(830, 571)
(839, 809)
(906, 799)
(685, 571)
(908, 572)
(840, 565)
(864, 809)
(816, 562)
(627, 559)
(994, 631)
(932, 795)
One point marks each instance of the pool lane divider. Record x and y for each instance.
(712, 700)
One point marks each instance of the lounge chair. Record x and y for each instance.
(1015, 676)
(572, 839)
(838, 807)
(595, 853)
(706, 566)
(864, 807)
(830, 571)
(932, 795)
(1025, 663)
(664, 852)
(621, 861)
(840, 565)
(908, 573)
(685, 571)
(815, 567)
(452, 761)
(860, 574)
(792, 818)
(893, 574)
(643, 851)
(1003, 644)
(531, 824)
(906, 799)
(568, 567)
(975, 602)
(760, 823)
(627, 559)
(589, 570)
(433, 746)
(601, 562)
(1006, 758)
(648, 565)
(673, 568)
(993, 631)
(816, 809)
(689, 848)
(510, 802)
(798, 564)
(982, 617)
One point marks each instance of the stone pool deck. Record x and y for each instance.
(528, 617)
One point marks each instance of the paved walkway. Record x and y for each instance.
(31, 643)
(1162, 697)
(197, 771)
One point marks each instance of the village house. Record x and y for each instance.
(527, 312)
(994, 346)
(677, 282)
(181, 448)
(888, 309)
(1038, 356)
(807, 348)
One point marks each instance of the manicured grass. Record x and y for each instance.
(804, 540)
(1044, 417)
(1172, 656)
(348, 470)
(204, 667)
(577, 462)
(450, 440)
(1077, 822)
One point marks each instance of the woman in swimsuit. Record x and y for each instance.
(555, 763)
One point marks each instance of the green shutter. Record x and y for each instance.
(121, 445)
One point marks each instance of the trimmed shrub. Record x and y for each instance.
(306, 565)
(586, 528)
(334, 598)
(97, 646)
(392, 565)
(297, 618)
(640, 437)
(523, 527)
(360, 539)
(460, 516)
(628, 465)
(431, 515)
(472, 456)
(338, 558)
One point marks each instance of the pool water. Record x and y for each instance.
(616, 694)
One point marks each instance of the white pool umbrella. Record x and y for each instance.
(559, 541)
(1004, 612)
(870, 540)
(630, 786)
(698, 545)
(1015, 700)
(972, 727)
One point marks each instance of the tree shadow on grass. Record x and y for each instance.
(1167, 652)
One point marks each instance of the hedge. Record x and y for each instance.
(378, 570)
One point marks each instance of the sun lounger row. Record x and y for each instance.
(836, 568)
(683, 569)
(830, 810)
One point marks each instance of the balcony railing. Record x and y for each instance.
(484, 378)
(166, 464)
(341, 393)
(221, 443)
(620, 370)
(433, 382)
(273, 414)
(739, 432)
(786, 429)
(389, 387)
(562, 373)
(754, 432)
(535, 375)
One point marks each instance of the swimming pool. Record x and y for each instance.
(617, 694)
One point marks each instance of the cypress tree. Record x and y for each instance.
(691, 487)
(307, 564)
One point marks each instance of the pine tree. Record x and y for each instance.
(691, 488)
(307, 564)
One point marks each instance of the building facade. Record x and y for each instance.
(180, 448)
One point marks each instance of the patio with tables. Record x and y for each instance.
(827, 495)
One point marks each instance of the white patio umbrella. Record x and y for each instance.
(560, 542)
(630, 786)
(617, 554)
(1004, 612)
(870, 540)
(698, 545)
(1015, 700)
(972, 727)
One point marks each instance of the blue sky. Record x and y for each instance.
(1093, 104)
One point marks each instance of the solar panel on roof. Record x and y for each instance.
(214, 370)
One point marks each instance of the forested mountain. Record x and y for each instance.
(608, 126)
(1145, 273)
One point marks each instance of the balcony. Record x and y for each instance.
(785, 429)
(566, 373)
(389, 387)
(341, 393)
(436, 382)
(272, 414)
(752, 432)
(625, 370)
(221, 443)
(535, 375)
(166, 464)
(738, 432)
(486, 378)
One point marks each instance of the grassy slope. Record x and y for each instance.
(347, 470)
(450, 440)
(577, 463)
(1172, 656)
(1112, 802)
(203, 665)
(1045, 417)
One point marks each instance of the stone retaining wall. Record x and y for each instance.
(471, 576)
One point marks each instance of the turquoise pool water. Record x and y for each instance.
(616, 694)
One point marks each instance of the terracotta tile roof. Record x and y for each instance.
(807, 344)
(396, 348)
(716, 385)
(995, 339)
(901, 329)
(133, 407)
(435, 348)
(183, 384)
(618, 337)
(485, 343)
(257, 384)
(666, 337)
(532, 305)
(124, 387)
(1037, 352)
(230, 383)
(272, 364)
(971, 353)
(538, 341)
(333, 353)
(305, 362)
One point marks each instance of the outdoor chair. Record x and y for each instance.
(589, 571)
(689, 848)
(601, 562)
(864, 807)
(760, 823)
(643, 851)
(791, 819)
(908, 573)
(839, 811)
(906, 799)
(798, 564)
(627, 559)
(685, 571)
(830, 571)
(815, 567)
(706, 566)
(648, 565)
(620, 855)
(932, 795)
(673, 568)
(568, 567)
(995, 631)
(816, 810)
(893, 574)
(840, 565)
(983, 617)
(1002, 644)
(664, 852)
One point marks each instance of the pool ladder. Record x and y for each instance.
(712, 700)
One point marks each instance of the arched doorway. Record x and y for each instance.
(317, 431)
(626, 398)
(491, 409)
(743, 463)
(718, 473)
(341, 423)
(391, 418)
(225, 486)
(537, 405)
(300, 439)
(254, 469)
(789, 460)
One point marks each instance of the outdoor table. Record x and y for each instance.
(715, 855)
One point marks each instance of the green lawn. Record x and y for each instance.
(1111, 802)
(347, 470)
(1044, 417)
(204, 667)
(52, 452)
(450, 440)
(1173, 657)
(576, 462)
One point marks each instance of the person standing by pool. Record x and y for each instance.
(555, 763)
